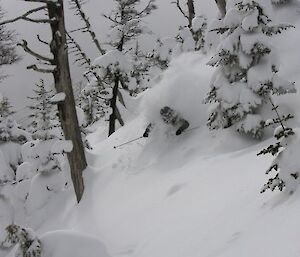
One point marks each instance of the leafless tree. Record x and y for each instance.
(58, 66)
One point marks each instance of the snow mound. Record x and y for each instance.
(69, 243)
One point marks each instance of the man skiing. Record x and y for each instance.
(169, 116)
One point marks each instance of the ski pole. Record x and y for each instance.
(128, 142)
(188, 130)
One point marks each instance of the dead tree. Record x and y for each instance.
(58, 66)
(222, 7)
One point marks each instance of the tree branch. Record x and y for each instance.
(80, 12)
(24, 16)
(35, 68)
(38, 56)
(41, 1)
(180, 8)
(78, 51)
(42, 41)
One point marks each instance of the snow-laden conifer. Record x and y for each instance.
(43, 113)
(286, 161)
(247, 68)
(26, 240)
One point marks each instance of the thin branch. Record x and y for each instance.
(42, 41)
(78, 51)
(41, 1)
(38, 56)
(112, 19)
(24, 16)
(79, 29)
(180, 8)
(274, 108)
(35, 68)
(148, 7)
(77, 6)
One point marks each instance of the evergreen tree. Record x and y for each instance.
(43, 114)
(10, 130)
(116, 67)
(8, 53)
(286, 163)
(277, 2)
(6, 109)
(28, 244)
(93, 104)
(247, 69)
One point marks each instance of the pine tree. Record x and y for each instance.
(286, 163)
(247, 71)
(107, 74)
(116, 68)
(10, 130)
(28, 244)
(279, 2)
(43, 114)
(8, 53)
(6, 109)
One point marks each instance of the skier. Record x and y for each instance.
(169, 116)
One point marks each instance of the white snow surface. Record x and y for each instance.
(59, 97)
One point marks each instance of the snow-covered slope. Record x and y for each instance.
(184, 197)
(192, 195)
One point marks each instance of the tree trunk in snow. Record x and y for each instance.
(113, 105)
(191, 9)
(222, 6)
(63, 83)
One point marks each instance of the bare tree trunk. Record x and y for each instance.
(63, 83)
(222, 6)
(191, 8)
(113, 105)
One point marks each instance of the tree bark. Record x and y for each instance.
(113, 105)
(191, 9)
(63, 83)
(222, 6)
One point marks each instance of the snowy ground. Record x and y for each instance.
(179, 198)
